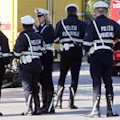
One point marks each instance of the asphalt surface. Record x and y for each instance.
(13, 101)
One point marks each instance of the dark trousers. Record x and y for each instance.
(29, 74)
(47, 82)
(46, 74)
(2, 71)
(70, 59)
(100, 69)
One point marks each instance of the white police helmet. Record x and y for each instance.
(100, 4)
(71, 5)
(41, 12)
(27, 20)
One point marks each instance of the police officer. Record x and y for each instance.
(4, 56)
(45, 29)
(98, 42)
(69, 33)
(28, 49)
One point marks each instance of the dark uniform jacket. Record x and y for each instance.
(47, 32)
(109, 31)
(74, 26)
(22, 45)
(4, 49)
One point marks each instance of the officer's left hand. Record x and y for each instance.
(15, 63)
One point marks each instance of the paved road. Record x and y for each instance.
(13, 102)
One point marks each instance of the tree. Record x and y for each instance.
(88, 9)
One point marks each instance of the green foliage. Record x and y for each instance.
(88, 9)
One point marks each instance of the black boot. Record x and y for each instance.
(44, 99)
(49, 109)
(96, 108)
(29, 111)
(59, 97)
(71, 101)
(110, 111)
(37, 105)
(50, 102)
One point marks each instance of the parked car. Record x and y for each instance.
(116, 57)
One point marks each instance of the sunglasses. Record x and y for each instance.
(40, 15)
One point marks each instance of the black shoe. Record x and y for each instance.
(111, 114)
(59, 97)
(1, 114)
(52, 111)
(37, 112)
(45, 111)
(28, 113)
(73, 107)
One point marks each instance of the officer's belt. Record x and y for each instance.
(27, 59)
(34, 53)
(87, 43)
(93, 48)
(27, 53)
(48, 47)
(69, 40)
(34, 57)
(66, 46)
(5, 55)
(105, 41)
